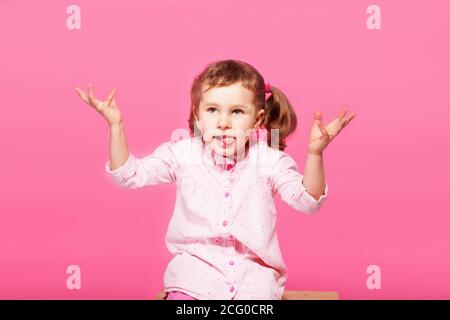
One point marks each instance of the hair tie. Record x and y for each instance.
(267, 91)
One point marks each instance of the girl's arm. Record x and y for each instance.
(109, 110)
(156, 168)
(320, 137)
(288, 182)
(118, 148)
(314, 178)
(124, 168)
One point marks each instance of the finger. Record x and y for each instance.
(114, 103)
(91, 94)
(318, 116)
(318, 121)
(111, 97)
(342, 113)
(347, 121)
(82, 95)
(322, 129)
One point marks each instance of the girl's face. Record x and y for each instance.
(225, 116)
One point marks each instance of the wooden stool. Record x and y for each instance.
(309, 295)
(287, 295)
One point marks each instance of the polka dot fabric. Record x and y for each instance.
(222, 231)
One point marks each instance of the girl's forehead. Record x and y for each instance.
(227, 95)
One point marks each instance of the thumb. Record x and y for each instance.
(113, 103)
(317, 117)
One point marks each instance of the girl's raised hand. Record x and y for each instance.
(108, 108)
(322, 135)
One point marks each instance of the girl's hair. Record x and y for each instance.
(278, 112)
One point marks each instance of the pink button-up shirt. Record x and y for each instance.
(222, 232)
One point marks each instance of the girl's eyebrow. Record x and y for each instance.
(218, 105)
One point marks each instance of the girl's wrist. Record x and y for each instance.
(315, 154)
(116, 126)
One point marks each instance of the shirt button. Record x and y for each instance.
(225, 223)
(231, 289)
(227, 194)
(231, 262)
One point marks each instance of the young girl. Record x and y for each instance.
(222, 232)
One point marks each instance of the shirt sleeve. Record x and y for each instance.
(288, 182)
(156, 168)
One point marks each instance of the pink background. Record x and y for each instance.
(387, 172)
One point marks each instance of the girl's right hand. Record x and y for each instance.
(108, 108)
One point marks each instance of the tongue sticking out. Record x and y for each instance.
(227, 141)
(224, 141)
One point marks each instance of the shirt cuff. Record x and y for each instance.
(122, 170)
(311, 200)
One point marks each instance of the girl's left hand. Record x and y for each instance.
(322, 135)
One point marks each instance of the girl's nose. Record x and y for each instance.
(224, 122)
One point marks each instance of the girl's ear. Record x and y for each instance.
(195, 114)
(259, 119)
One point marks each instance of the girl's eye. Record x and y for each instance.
(212, 109)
